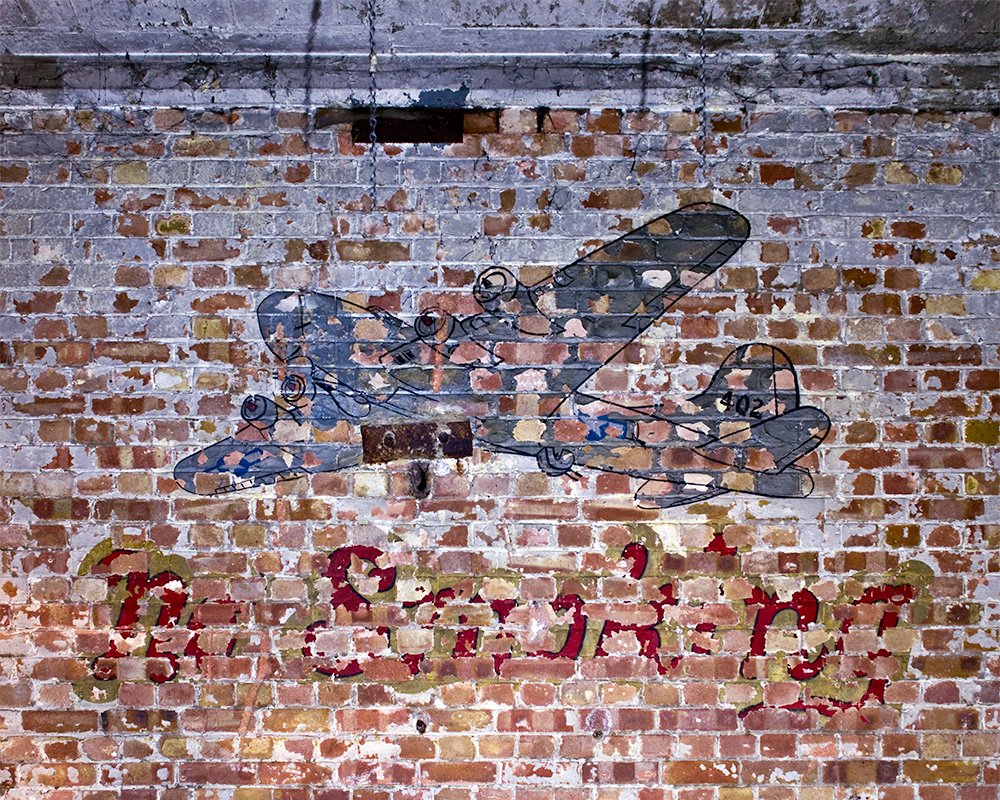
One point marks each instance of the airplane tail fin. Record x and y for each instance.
(749, 416)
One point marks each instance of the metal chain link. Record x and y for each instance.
(372, 97)
(703, 100)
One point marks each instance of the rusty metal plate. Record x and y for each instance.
(382, 443)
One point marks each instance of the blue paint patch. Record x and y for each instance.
(600, 428)
(444, 98)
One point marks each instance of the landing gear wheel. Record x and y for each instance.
(555, 461)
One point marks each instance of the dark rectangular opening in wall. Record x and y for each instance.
(30, 72)
(411, 125)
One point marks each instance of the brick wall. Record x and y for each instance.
(496, 632)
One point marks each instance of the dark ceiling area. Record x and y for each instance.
(465, 53)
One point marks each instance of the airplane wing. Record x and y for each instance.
(588, 312)
(619, 290)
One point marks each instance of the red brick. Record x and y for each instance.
(870, 458)
(950, 508)
(920, 355)
(214, 773)
(772, 173)
(132, 352)
(449, 772)
(683, 773)
(944, 458)
(296, 719)
(60, 721)
(205, 250)
(936, 772)
(13, 173)
(372, 251)
(909, 230)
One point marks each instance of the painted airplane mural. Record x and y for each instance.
(360, 385)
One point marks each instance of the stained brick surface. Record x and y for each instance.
(512, 634)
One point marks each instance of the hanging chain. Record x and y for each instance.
(372, 97)
(703, 100)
